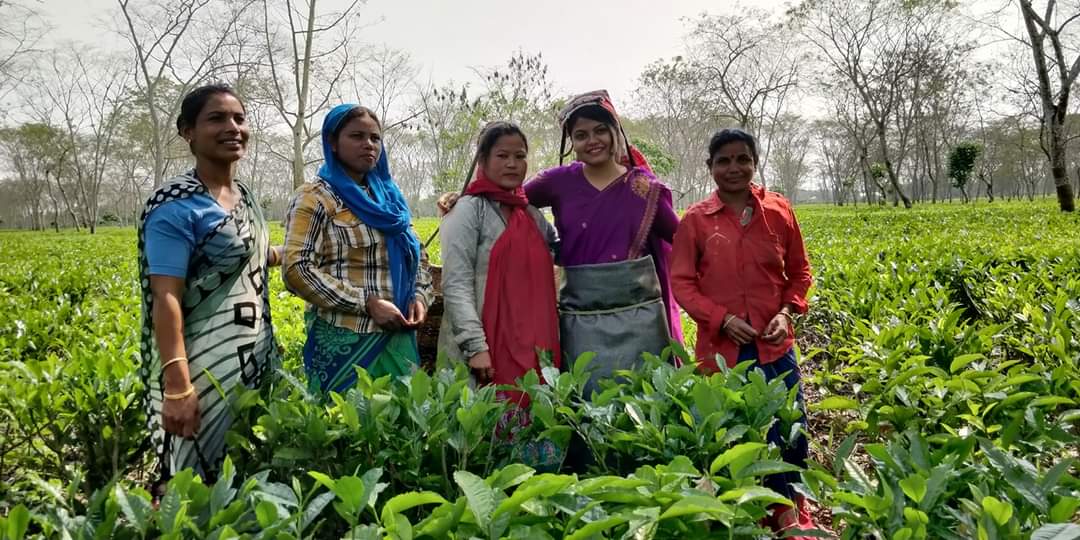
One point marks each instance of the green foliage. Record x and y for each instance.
(962, 160)
(878, 171)
(940, 349)
(661, 162)
(947, 353)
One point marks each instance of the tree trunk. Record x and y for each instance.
(988, 181)
(157, 143)
(1058, 169)
(301, 100)
(67, 204)
(894, 180)
(864, 163)
(55, 205)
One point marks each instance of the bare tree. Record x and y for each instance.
(792, 144)
(177, 46)
(29, 150)
(21, 28)
(306, 50)
(382, 84)
(520, 91)
(838, 162)
(945, 87)
(448, 125)
(38, 154)
(1056, 71)
(749, 64)
(878, 46)
(85, 91)
(850, 116)
(673, 105)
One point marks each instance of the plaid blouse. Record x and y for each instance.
(335, 262)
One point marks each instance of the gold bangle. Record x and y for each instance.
(173, 361)
(791, 320)
(181, 395)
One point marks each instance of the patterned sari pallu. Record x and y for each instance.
(227, 331)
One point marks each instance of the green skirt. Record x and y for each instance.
(332, 354)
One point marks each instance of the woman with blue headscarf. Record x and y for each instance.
(351, 254)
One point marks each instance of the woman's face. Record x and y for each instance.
(507, 163)
(593, 142)
(358, 145)
(220, 132)
(732, 167)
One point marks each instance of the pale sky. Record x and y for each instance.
(587, 44)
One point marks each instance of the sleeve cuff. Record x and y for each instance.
(167, 270)
(716, 320)
(473, 347)
(424, 297)
(799, 303)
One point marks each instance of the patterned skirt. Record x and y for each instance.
(332, 354)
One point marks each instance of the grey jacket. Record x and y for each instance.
(467, 235)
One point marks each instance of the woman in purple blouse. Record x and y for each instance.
(616, 223)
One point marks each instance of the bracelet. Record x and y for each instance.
(181, 395)
(791, 320)
(727, 320)
(173, 361)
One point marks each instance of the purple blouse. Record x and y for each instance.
(602, 226)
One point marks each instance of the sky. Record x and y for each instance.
(587, 44)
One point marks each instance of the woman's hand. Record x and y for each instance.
(778, 330)
(481, 367)
(739, 330)
(385, 314)
(181, 417)
(417, 314)
(446, 203)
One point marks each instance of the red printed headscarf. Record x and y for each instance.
(625, 153)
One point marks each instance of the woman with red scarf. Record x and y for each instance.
(498, 270)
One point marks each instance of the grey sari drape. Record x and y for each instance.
(614, 310)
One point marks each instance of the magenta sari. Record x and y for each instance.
(631, 218)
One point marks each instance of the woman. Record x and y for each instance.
(615, 224)
(497, 259)
(740, 270)
(203, 258)
(351, 254)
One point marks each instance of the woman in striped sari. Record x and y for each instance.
(204, 254)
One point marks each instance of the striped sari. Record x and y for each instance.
(227, 332)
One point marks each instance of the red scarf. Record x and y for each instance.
(519, 314)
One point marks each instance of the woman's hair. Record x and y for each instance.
(196, 99)
(728, 136)
(356, 112)
(491, 134)
(597, 113)
(592, 112)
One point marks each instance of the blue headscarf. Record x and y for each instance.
(385, 210)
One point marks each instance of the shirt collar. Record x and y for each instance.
(713, 204)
